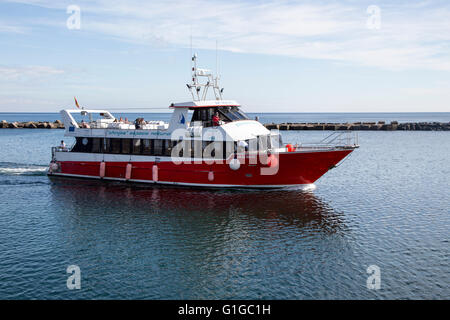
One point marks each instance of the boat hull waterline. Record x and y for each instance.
(294, 169)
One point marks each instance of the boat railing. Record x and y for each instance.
(58, 149)
(148, 125)
(337, 139)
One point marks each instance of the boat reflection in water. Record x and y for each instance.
(171, 243)
(197, 208)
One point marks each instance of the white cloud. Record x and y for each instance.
(4, 28)
(27, 72)
(412, 35)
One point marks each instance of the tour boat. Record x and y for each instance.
(207, 143)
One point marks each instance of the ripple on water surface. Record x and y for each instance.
(387, 205)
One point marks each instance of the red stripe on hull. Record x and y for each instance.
(294, 169)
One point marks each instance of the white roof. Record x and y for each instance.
(244, 129)
(79, 111)
(204, 104)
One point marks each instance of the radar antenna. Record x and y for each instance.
(198, 89)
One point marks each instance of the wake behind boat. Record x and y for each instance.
(207, 143)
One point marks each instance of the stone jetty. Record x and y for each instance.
(357, 126)
(368, 126)
(31, 125)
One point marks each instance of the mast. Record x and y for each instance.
(198, 89)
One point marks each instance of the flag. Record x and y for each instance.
(76, 103)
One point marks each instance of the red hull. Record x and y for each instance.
(295, 168)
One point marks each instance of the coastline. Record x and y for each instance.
(353, 126)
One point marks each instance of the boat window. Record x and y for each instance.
(152, 147)
(158, 147)
(195, 115)
(229, 148)
(97, 145)
(175, 144)
(204, 115)
(200, 114)
(187, 148)
(168, 147)
(232, 113)
(227, 114)
(82, 144)
(147, 146)
(213, 149)
(126, 146)
(204, 146)
(276, 141)
(115, 145)
(107, 145)
(263, 143)
(136, 146)
(241, 113)
(196, 150)
(252, 144)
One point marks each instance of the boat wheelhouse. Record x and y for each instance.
(208, 143)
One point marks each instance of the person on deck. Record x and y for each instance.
(62, 145)
(216, 119)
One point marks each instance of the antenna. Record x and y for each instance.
(216, 80)
(191, 41)
(196, 86)
(217, 61)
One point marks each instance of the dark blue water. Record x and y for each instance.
(387, 205)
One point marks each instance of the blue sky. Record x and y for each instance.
(274, 56)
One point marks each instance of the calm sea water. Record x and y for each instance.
(387, 205)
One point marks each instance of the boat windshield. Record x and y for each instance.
(232, 113)
(226, 114)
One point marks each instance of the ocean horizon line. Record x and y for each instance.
(253, 112)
